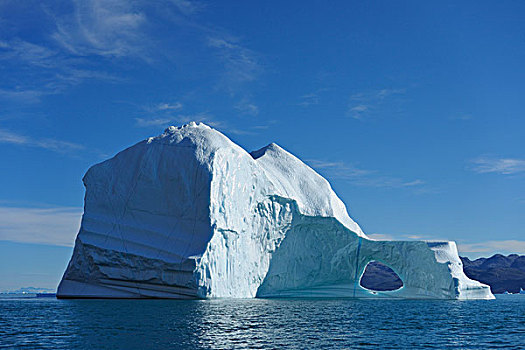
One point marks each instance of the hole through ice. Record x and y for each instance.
(379, 277)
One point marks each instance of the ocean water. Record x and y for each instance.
(262, 324)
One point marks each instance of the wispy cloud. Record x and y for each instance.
(363, 177)
(339, 169)
(381, 236)
(188, 7)
(176, 119)
(312, 98)
(123, 28)
(166, 109)
(81, 40)
(358, 110)
(59, 146)
(248, 130)
(505, 166)
(53, 226)
(24, 96)
(209, 119)
(492, 247)
(41, 71)
(168, 106)
(240, 63)
(168, 113)
(106, 28)
(203, 117)
(362, 104)
(461, 117)
(414, 237)
(384, 93)
(64, 56)
(29, 53)
(247, 107)
(266, 126)
(309, 100)
(251, 129)
(147, 122)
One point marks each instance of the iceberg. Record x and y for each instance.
(190, 214)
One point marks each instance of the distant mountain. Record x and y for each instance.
(30, 290)
(380, 277)
(502, 273)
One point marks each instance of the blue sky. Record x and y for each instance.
(412, 110)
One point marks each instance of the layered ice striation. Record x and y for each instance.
(190, 214)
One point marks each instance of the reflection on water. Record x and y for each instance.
(262, 324)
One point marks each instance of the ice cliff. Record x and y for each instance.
(190, 214)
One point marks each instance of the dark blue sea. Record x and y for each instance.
(262, 324)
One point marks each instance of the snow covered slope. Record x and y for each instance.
(189, 214)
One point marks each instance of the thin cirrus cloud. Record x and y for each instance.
(188, 7)
(168, 106)
(104, 28)
(312, 98)
(362, 104)
(308, 100)
(165, 114)
(24, 95)
(42, 71)
(50, 226)
(62, 58)
(169, 119)
(247, 107)
(461, 117)
(240, 63)
(28, 53)
(163, 108)
(489, 247)
(147, 122)
(177, 119)
(59, 146)
(88, 33)
(380, 236)
(120, 28)
(363, 177)
(504, 166)
(208, 119)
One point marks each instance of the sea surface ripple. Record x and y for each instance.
(262, 324)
